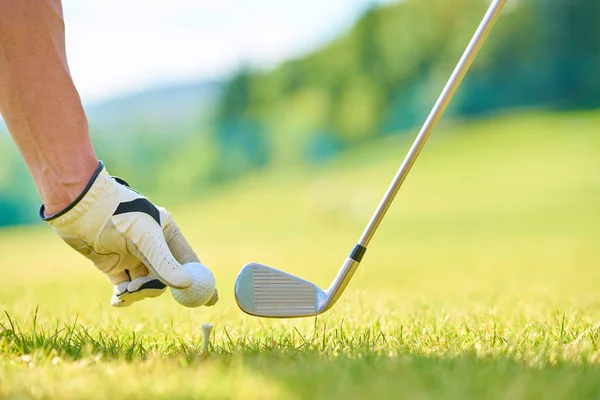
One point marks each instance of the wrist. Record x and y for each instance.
(63, 189)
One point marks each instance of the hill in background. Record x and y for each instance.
(171, 110)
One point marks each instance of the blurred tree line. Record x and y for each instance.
(379, 78)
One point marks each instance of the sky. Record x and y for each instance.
(116, 47)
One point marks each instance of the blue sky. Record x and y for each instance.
(120, 46)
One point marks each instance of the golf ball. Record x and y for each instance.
(200, 291)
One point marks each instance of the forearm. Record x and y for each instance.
(39, 102)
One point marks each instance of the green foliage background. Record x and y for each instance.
(382, 76)
(379, 78)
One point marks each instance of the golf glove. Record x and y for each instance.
(136, 244)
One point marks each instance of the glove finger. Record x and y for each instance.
(181, 249)
(146, 241)
(119, 278)
(138, 271)
(213, 300)
(143, 285)
(118, 291)
(179, 246)
(120, 281)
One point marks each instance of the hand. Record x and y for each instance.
(135, 243)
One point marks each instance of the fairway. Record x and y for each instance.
(482, 282)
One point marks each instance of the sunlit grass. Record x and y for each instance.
(482, 282)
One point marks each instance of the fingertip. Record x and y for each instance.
(176, 277)
(214, 299)
(116, 301)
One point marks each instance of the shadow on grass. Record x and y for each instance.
(465, 376)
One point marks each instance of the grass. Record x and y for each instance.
(482, 282)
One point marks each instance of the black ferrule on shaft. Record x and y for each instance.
(358, 252)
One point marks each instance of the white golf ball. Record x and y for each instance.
(200, 291)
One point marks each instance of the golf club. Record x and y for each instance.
(267, 292)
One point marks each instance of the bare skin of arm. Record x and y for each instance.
(39, 102)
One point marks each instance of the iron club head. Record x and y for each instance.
(268, 292)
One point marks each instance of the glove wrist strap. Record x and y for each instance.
(87, 188)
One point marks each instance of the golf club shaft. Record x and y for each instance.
(434, 116)
(264, 291)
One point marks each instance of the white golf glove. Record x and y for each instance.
(135, 243)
